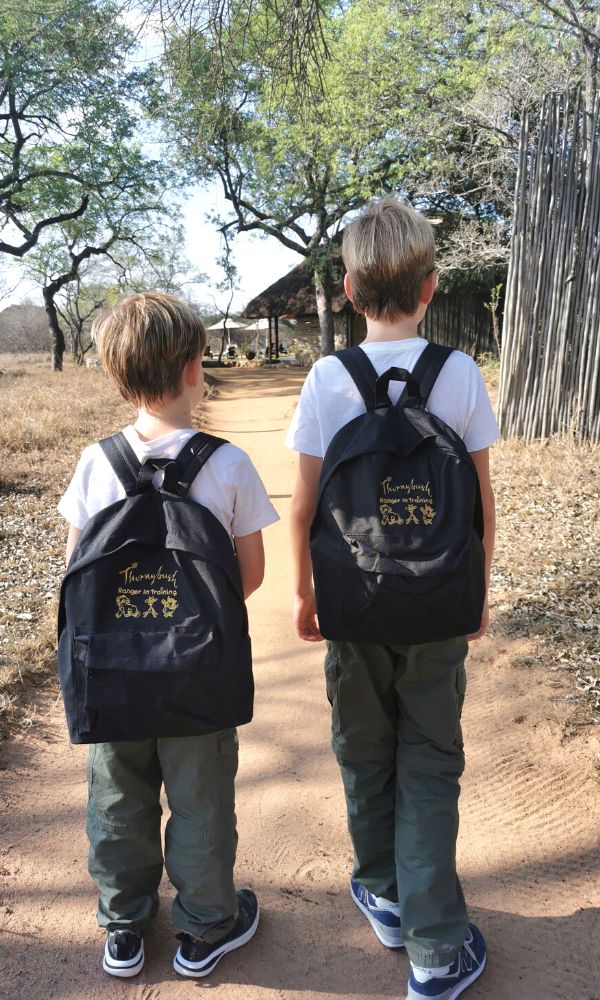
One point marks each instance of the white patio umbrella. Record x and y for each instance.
(260, 324)
(227, 324)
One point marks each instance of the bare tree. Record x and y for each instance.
(81, 301)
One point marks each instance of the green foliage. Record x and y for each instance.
(492, 305)
(77, 184)
(70, 104)
(422, 99)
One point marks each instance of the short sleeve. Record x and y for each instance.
(304, 433)
(72, 504)
(252, 510)
(481, 429)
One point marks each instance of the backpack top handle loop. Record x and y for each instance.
(146, 475)
(395, 375)
(179, 473)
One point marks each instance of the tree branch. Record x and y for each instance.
(20, 251)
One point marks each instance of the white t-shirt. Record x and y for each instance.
(228, 484)
(330, 399)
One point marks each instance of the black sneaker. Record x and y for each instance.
(123, 953)
(198, 958)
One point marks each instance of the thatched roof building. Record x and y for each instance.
(293, 297)
(458, 317)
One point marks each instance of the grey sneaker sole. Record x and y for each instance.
(124, 970)
(388, 936)
(453, 991)
(197, 970)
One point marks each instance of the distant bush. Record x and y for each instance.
(23, 328)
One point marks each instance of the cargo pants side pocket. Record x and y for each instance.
(332, 681)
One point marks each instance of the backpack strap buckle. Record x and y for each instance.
(171, 479)
(178, 473)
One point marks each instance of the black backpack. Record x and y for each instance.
(152, 625)
(396, 539)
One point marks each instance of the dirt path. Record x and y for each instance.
(528, 850)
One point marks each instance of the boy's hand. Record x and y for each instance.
(485, 621)
(305, 618)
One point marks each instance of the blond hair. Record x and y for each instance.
(146, 341)
(388, 252)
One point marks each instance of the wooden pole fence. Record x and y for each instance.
(550, 370)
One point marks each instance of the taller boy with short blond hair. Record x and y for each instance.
(396, 708)
(152, 345)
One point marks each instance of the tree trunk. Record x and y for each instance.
(496, 332)
(222, 348)
(591, 67)
(324, 295)
(78, 348)
(58, 337)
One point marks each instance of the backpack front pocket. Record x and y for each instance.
(140, 680)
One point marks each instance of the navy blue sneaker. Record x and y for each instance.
(465, 969)
(382, 914)
(123, 953)
(197, 958)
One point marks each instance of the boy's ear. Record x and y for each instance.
(428, 287)
(348, 286)
(192, 372)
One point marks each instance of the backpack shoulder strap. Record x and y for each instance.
(124, 461)
(427, 369)
(193, 456)
(362, 373)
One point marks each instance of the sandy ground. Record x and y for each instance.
(528, 848)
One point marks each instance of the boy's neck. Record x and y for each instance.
(162, 418)
(378, 331)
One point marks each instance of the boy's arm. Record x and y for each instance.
(303, 506)
(72, 539)
(481, 460)
(251, 557)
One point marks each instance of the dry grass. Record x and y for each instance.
(544, 583)
(544, 579)
(545, 574)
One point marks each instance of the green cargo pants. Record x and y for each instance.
(397, 738)
(126, 858)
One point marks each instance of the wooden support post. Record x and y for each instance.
(277, 338)
(270, 351)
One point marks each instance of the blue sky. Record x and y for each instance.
(259, 261)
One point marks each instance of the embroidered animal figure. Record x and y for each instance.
(428, 514)
(126, 608)
(170, 605)
(389, 516)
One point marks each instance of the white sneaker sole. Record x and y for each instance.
(196, 970)
(453, 991)
(389, 937)
(124, 970)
